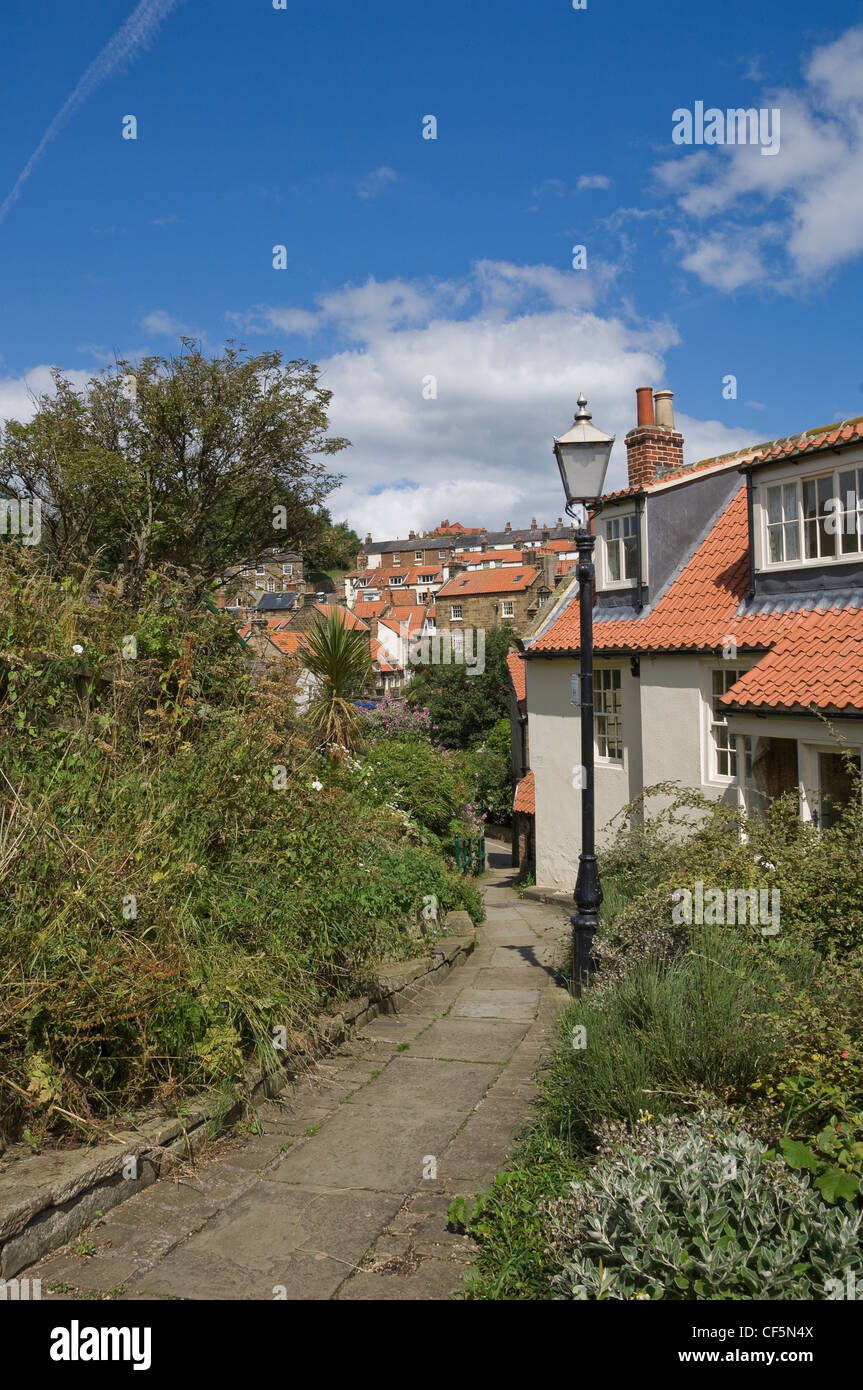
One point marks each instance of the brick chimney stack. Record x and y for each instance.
(654, 447)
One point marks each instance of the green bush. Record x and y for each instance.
(691, 839)
(493, 782)
(693, 1210)
(662, 1035)
(415, 777)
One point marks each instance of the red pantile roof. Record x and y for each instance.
(816, 654)
(515, 662)
(372, 609)
(346, 617)
(497, 581)
(819, 662)
(524, 799)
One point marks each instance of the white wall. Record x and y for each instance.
(554, 730)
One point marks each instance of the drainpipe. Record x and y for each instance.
(751, 535)
(639, 591)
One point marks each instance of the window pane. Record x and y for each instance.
(774, 505)
(789, 501)
(612, 550)
(630, 558)
(850, 498)
(827, 538)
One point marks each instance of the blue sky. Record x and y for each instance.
(449, 258)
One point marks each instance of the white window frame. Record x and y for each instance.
(604, 720)
(736, 749)
(455, 617)
(397, 557)
(846, 552)
(287, 569)
(621, 517)
(441, 554)
(507, 608)
(260, 569)
(418, 557)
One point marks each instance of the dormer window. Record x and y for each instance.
(813, 521)
(621, 553)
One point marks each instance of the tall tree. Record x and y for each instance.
(190, 460)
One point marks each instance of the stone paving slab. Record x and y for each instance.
(344, 1195)
(519, 1005)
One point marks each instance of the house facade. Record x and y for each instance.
(274, 572)
(728, 635)
(508, 597)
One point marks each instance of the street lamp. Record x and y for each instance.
(582, 456)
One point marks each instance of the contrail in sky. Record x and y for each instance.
(136, 33)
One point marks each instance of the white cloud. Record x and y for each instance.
(165, 325)
(17, 393)
(588, 181)
(510, 348)
(375, 182)
(811, 191)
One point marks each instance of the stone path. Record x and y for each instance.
(345, 1193)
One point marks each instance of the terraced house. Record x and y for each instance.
(509, 596)
(728, 635)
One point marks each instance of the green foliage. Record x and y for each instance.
(334, 547)
(465, 708)
(694, 1210)
(835, 1159)
(493, 780)
(513, 1260)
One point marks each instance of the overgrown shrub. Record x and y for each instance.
(693, 1210)
(180, 873)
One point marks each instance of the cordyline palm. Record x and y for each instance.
(338, 657)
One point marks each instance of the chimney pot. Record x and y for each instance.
(664, 409)
(644, 404)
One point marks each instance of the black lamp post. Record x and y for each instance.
(582, 456)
